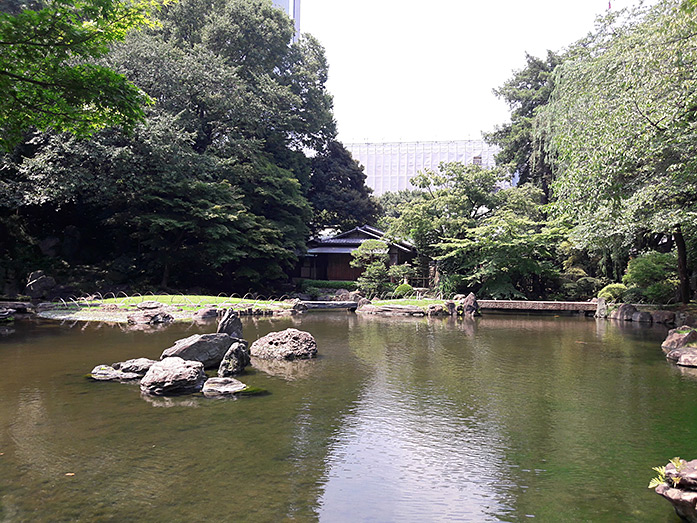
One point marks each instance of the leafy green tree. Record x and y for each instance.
(621, 125)
(372, 256)
(48, 75)
(521, 149)
(451, 200)
(338, 192)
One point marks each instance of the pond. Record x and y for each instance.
(501, 418)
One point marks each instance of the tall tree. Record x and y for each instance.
(521, 149)
(622, 125)
(338, 192)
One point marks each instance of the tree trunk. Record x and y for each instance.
(682, 266)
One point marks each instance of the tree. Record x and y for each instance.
(338, 192)
(48, 75)
(621, 122)
(372, 256)
(524, 93)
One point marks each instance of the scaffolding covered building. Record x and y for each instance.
(390, 166)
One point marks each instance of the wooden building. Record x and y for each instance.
(330, 258)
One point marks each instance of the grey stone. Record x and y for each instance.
(206, 314)
(230, 324)
(623, 313)
(216, 387)
(289, 344)
(235, 360)
(363, 302)
(137, 365)
(685, 357)
(642, 317)
(601, 309)
(173, 376)
(149, 317)
(109, 373)
(663, 317)
(436, 310)
(683, 501)
(209, 349)
(150, 305)
(679, 338)
(470, 305)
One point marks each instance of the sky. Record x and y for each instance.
(410, 70)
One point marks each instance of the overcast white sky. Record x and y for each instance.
(425, 69)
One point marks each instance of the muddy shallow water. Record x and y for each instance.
(502, 418)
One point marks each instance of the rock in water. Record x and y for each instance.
(679, 338)
(680, 488)
(290, 344)
(137, 365)
(470, 305)
(235, 359)
(109, 373)
(173, 376)
(222, 387)
(231, 324)
(209, 349)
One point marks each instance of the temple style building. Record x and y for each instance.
(389, 166)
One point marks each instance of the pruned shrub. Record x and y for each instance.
(403, 290)
(613, 292)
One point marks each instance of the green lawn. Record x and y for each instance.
(191, 302)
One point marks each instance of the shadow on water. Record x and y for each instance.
(498, 418)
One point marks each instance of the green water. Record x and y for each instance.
(503, 418)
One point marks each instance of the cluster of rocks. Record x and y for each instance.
(680, 347)
(628, 312)
(460, 305)
(680, 488)
(181, 368)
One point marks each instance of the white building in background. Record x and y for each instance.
(389, 167)
(292, 9)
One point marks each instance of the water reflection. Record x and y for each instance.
(486, 419)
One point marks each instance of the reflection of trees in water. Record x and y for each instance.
(288, 370)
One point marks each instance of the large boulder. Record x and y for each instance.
(207, 313)
(235, 360)
(209, 349)
(290, 344)
(230, 324)
(680, 488)
(623, 313)
(216, 387)
(685, 357)
(173, 376)
(679, 338)
(38, 284)
(664, 317)
(642, 317)
(469, 305)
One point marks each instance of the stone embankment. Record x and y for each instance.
(680, 488)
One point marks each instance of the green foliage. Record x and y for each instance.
(48, 75)
(613, 292)
(211, 188)
(401, 272)
(521, 150)
(403, 290)
(369, 252)
(338, 193)
(620, 124)
(374, 279)
(655, 274)
(661, 477)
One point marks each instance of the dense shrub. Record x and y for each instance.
(634, 295)
(655, 274)
(613, 292)
(403, 290)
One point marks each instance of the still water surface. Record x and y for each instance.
(502, 418)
